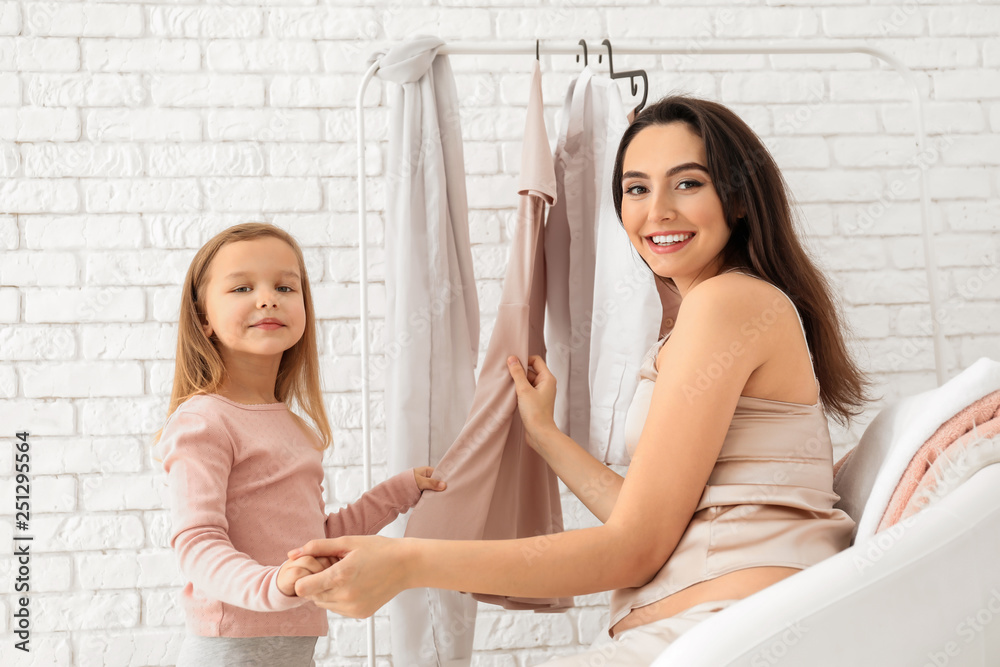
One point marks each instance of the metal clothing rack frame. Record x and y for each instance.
(528, 49)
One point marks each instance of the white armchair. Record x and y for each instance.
(923, 593)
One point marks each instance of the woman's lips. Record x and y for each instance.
(662, 250)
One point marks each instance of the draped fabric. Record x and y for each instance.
(604, 306)
(498, 487)
(627, 309)
(432, 315)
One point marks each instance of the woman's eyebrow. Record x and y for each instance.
(670, 172)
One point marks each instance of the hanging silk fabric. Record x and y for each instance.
(432, 313)
(498, 487)
(627, 307)
(604, 308)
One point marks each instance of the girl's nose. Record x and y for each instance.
(267, 298)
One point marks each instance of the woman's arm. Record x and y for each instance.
(595, 484)
(691, 409)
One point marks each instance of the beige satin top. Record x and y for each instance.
(768, 501)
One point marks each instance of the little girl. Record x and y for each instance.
(244, 472)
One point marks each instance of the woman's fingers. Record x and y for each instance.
(521, 381)
(314, 584)
(538, 364)
(336, 547)
(310, 564)
(536, 369)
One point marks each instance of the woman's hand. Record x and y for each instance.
(536, 397)
(294, 569)
(370, 572)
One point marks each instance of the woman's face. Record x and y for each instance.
(668, 196)
(249, 281)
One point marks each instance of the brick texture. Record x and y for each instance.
(133, 131)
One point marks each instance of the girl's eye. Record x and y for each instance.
(689, 181)
(281, 287)
(631, 190)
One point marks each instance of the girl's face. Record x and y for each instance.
(667, 191)
(250, 281)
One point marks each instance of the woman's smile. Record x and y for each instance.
(665, 243)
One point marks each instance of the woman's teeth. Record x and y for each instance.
(670, 239)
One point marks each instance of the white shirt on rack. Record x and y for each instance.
(604, 309)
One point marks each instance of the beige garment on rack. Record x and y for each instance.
(498, 487)
(627, 308)
(432, 316)
(604, 306)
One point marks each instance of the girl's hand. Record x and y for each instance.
(424, 481)
(294, 569)
(370, 571)
(536, 397)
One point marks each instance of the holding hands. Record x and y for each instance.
(371, 570)
(299, 566)
(294, 569)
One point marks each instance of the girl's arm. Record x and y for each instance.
(197, 460)
(376, 508)
(677, 450)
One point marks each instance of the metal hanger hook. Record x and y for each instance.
(611, 65)
(582, 43)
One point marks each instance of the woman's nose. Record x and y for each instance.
(661, 207)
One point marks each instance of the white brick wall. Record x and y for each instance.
(131, 132)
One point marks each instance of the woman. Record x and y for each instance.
(729, 489)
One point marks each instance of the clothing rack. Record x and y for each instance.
(528, 49)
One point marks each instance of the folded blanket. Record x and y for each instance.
(953, 467)
(960, 446)
(866, 479)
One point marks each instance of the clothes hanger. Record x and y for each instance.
(621, 75)
(582, 43)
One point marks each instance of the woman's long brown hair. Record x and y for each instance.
(763, 241)
(198, 367)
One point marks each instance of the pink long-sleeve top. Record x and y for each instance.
(246, 486)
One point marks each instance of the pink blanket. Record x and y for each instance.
(978, 421)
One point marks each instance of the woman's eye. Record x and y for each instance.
(287, 288)
(631, 190)
(239, 288)
(691, 182)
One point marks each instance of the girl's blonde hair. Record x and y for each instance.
(198, 368)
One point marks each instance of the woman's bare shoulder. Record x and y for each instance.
(759, 311)
(745, 306)
(732, 299)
